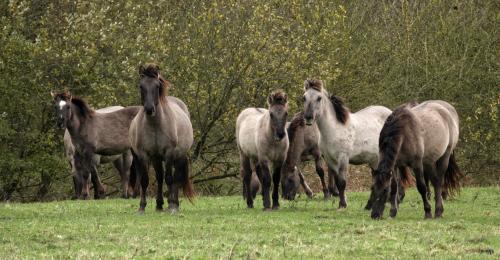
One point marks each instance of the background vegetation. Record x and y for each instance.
(222, 56)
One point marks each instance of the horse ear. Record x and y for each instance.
(307, 85)
(141, 70)
(270, 99)
(52, 94)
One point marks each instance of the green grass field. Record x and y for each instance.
(222, 227)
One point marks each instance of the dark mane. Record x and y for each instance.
(152, 70)
(277, 97)
(297, 121)
(315, 84)
(391, 136)
(83, 108)
(341, 112)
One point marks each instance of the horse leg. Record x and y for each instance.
(118, 163)
(401, 187)
(82, 166)
(332, 186)
(369, 203)
(321, 174)
(142, 174)
(394, 196)
(158, 166)
(181, 172)
(437, 181)
(276, 185)
(266, 185)
(127, 164)
(340, 179)
(304, 184)
(99, 191)
(422, 189)
(246, 171)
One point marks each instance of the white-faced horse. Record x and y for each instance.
(344, 137)
(262, 141)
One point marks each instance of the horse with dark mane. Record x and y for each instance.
(422, 137)
(263, 143)
(120, 161)
(162, 134)
(304, 142)
(345, 137)
(93, 133)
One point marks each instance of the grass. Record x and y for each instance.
(222, 227)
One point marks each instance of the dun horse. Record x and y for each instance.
(121, 162)
(161, 133)
(422, 137)
(92, 133)
(344, 137)
(262, 141)
(304, 142)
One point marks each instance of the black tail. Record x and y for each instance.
(452, 177)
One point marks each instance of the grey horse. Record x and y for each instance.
(161, 133)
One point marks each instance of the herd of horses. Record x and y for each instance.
(414, 137)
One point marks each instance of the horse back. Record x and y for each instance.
(111, 130)
(247, 128)
(439, 122)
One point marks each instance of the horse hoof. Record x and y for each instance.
(159, 209)
(393, 213)
(140, 212)
(276, 207)
(173, 211)
(428, 216)
(376, 216)
(342, 205)
(266, 209)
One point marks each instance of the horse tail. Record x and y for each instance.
(407, 179)
(187, 186)
(452, 177)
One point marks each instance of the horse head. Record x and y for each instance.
(312, 99)
(153, 87)
(278, 111)
(62, 106)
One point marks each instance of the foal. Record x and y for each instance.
(422, 137)
(93, 133)
(161, 133)
(304, 142)
(262, 141)
(345, 137)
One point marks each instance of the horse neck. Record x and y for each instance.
(327, 122)
(295, 148)
(163, 114)
(76, 125)
(389, 153)
(265, 122)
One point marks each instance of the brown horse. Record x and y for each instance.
(422, 137)
(161, 133)
(92, 133)
(304, 142)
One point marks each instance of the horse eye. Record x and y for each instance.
(319, 98)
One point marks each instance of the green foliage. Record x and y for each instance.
(223, 56)
(222, 227)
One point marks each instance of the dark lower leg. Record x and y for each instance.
(321, 174)
(394, 196)
(341, 184)
(332, 185)
(276, 183)
(158, 166)
(266, 186)
(422, 189)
